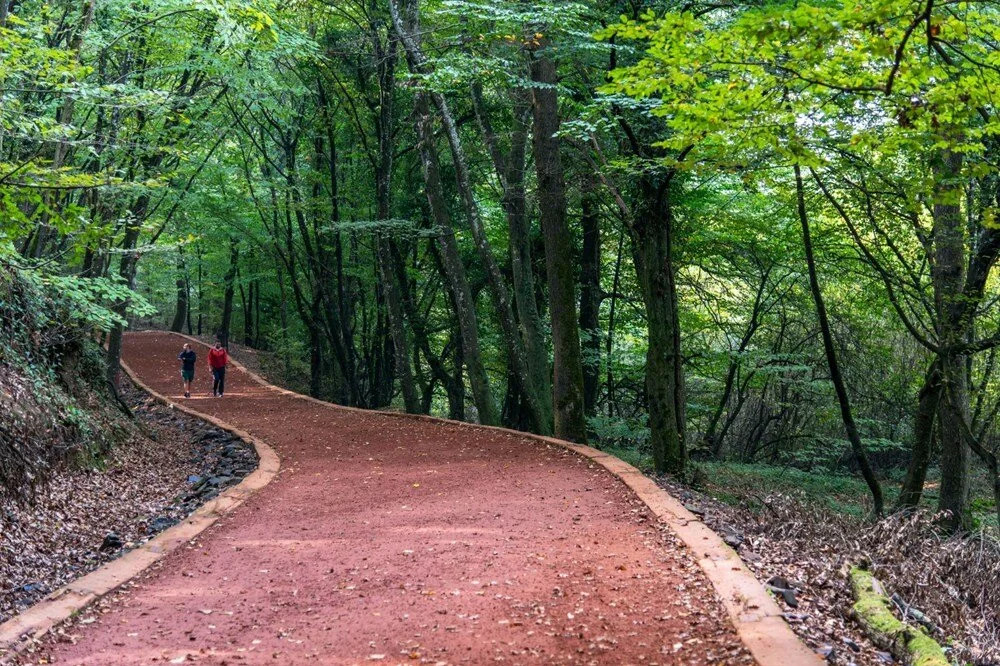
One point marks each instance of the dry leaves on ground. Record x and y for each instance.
(84, 517)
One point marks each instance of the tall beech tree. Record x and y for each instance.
(568, 399)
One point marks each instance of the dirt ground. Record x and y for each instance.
(387, 540)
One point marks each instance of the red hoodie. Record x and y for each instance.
(217, 358)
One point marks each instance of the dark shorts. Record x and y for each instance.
(187, 375)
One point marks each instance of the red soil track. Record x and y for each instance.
(389, 540)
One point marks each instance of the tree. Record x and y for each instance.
(568, 370)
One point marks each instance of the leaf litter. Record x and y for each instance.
(947, 583)
(84, 517)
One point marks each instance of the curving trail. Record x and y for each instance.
(386, 540)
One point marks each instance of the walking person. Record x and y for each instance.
(187, 358)
(218, 358)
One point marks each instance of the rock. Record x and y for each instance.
(789, 597)
(696, 510)
(885, 657)
(733, 539)
(219, 480)
(827, 652)
(111, 542)
(159, 524)
(194, 478)
(851, 644)
(779, 583)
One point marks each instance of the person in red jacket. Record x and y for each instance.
(218, 358)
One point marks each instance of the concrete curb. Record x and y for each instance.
(20, 631)
(758, 619)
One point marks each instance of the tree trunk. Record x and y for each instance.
(590, 301)
(653, 254)
(126, 271)
(397, 327)
(712, 440)
(453, 268)
(386, 68)
(498, 290)
(382, 355)
(187, 288)
(949, 299)
(62, 148)
(510, 170)
(456, 388)
(181, 311)
(227, 302)
(923, 434)
(286, 354)
(567, 396)
(246, 301)
(315, 354)
(610, 341)
(831, 354)
(341, 311)
(201, 290)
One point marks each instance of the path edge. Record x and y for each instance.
(31, 624)
(756, 616)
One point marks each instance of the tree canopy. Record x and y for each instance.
(760, 232)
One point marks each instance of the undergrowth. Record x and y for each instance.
(58, 409)
(951, 579)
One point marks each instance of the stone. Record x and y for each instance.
(733, 539)
(779, 583)
(696, 510)
(160, 523)
(111, 542)
(789, 597)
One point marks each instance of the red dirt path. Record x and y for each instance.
(386, 540)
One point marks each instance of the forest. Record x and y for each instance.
(750, 245)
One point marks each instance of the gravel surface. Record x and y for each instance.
(88, 516)
(388, 540)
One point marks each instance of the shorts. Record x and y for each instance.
(188, 375)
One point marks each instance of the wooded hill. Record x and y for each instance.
(761, 232)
